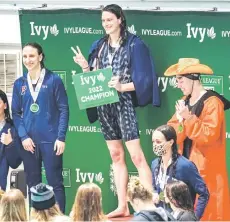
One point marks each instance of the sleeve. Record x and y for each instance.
(12, 151)
(187, 216)
(206, 129)
(153, 168)
(181, 136)
(197, 183)
(92, 53)
(143, 74)
(17, 112)
(63, 107)
(92, 112)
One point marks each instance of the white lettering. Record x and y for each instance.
(32, 28)
(45, 31)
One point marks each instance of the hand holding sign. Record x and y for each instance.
(79, 58)
(93, 88)
(115, 83)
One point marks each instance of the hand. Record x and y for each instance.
(28, 145)
(59, 146)
(114, 83)
(177, 106)
(156, 198)
(182, 110)
(6, 138)
(79, 58)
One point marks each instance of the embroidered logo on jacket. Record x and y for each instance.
(23, 90)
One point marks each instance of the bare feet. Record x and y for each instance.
(119, 212)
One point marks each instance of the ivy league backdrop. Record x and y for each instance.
(170, 36)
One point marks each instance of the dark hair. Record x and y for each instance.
(118, 12)
(3, 97)
(178, 193)
(39, 49)
(169, 134)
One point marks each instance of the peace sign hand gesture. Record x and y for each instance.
(79, 58)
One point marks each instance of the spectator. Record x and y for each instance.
(44, 207)
(178, 196)
(88, 204)
(141, 200)
(13, 207)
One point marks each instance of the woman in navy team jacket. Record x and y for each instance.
(171, 166)
(9, 142)
(40, 114)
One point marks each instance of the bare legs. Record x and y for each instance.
(121, 173)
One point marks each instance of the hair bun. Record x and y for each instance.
(137, 182)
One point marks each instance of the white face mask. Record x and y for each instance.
(160, 149)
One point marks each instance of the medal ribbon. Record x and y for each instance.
(35, 92)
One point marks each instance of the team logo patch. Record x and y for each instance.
(23, 90)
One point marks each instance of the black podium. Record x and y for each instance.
(18, 181)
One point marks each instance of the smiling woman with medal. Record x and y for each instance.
(135, 80)
(40, 114)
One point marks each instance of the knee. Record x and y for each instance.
(137, 159)
(116, 155)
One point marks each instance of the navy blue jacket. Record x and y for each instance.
(51, 121)
(142, 72)
(187, 172)
(11, 151)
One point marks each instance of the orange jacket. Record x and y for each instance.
(208, 152)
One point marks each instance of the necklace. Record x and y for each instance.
(112, 50)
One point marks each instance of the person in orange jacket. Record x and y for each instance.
(200, 124)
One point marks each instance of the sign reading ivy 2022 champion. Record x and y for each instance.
(92, 88)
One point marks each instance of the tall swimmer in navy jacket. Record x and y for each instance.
(40, 114)
(9, 142)
(135, 80)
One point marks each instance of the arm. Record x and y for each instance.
(206, 129)
(12, 150)
(17, 112)
(127, 87)
(197, 183)
(63, 107)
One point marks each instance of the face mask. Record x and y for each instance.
(159, 149)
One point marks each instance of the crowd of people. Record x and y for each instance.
(87, 205)
(184, 182)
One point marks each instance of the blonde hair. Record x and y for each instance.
(1, 193)
(62, 218)
(88, 204)
(13, 207)
(136, 190)
(45, 215)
